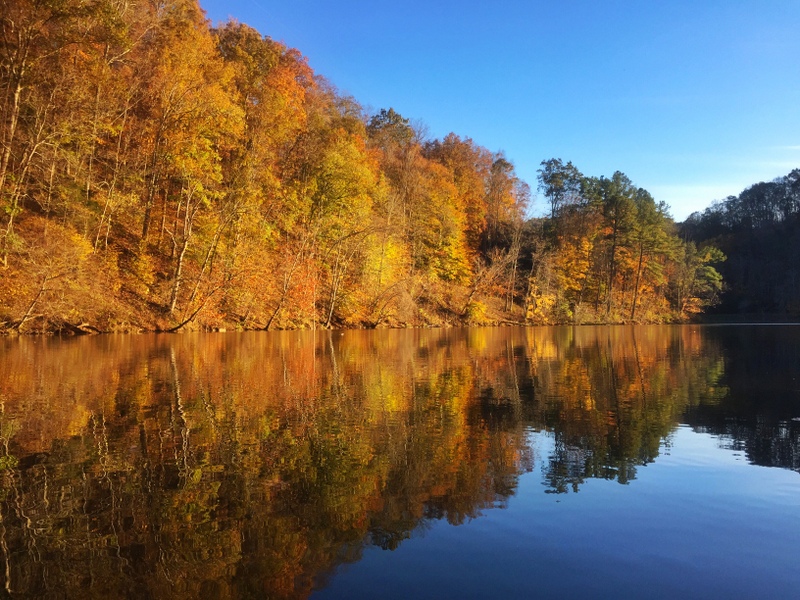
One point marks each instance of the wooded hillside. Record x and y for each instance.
(760, 231)
(158, 173)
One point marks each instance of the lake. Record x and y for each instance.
(568, 462)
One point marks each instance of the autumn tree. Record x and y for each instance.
(272, 85)
(611, 254)
(470, 166)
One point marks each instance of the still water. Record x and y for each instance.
(464, 463)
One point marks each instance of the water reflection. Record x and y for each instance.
(760, 411)
(246, 465)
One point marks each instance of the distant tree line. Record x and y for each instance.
(759, 231)
(158, 173)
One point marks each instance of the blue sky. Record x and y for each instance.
(693, 100)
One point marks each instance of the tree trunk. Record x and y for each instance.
(636, 286)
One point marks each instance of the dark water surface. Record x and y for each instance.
(466, 463)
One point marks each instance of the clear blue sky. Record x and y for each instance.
(694, 100)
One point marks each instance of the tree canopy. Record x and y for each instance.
(158, 173)
(759, 230)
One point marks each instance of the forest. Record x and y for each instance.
(759, 230)
(159, 173)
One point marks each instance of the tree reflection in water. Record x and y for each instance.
(244, 465)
